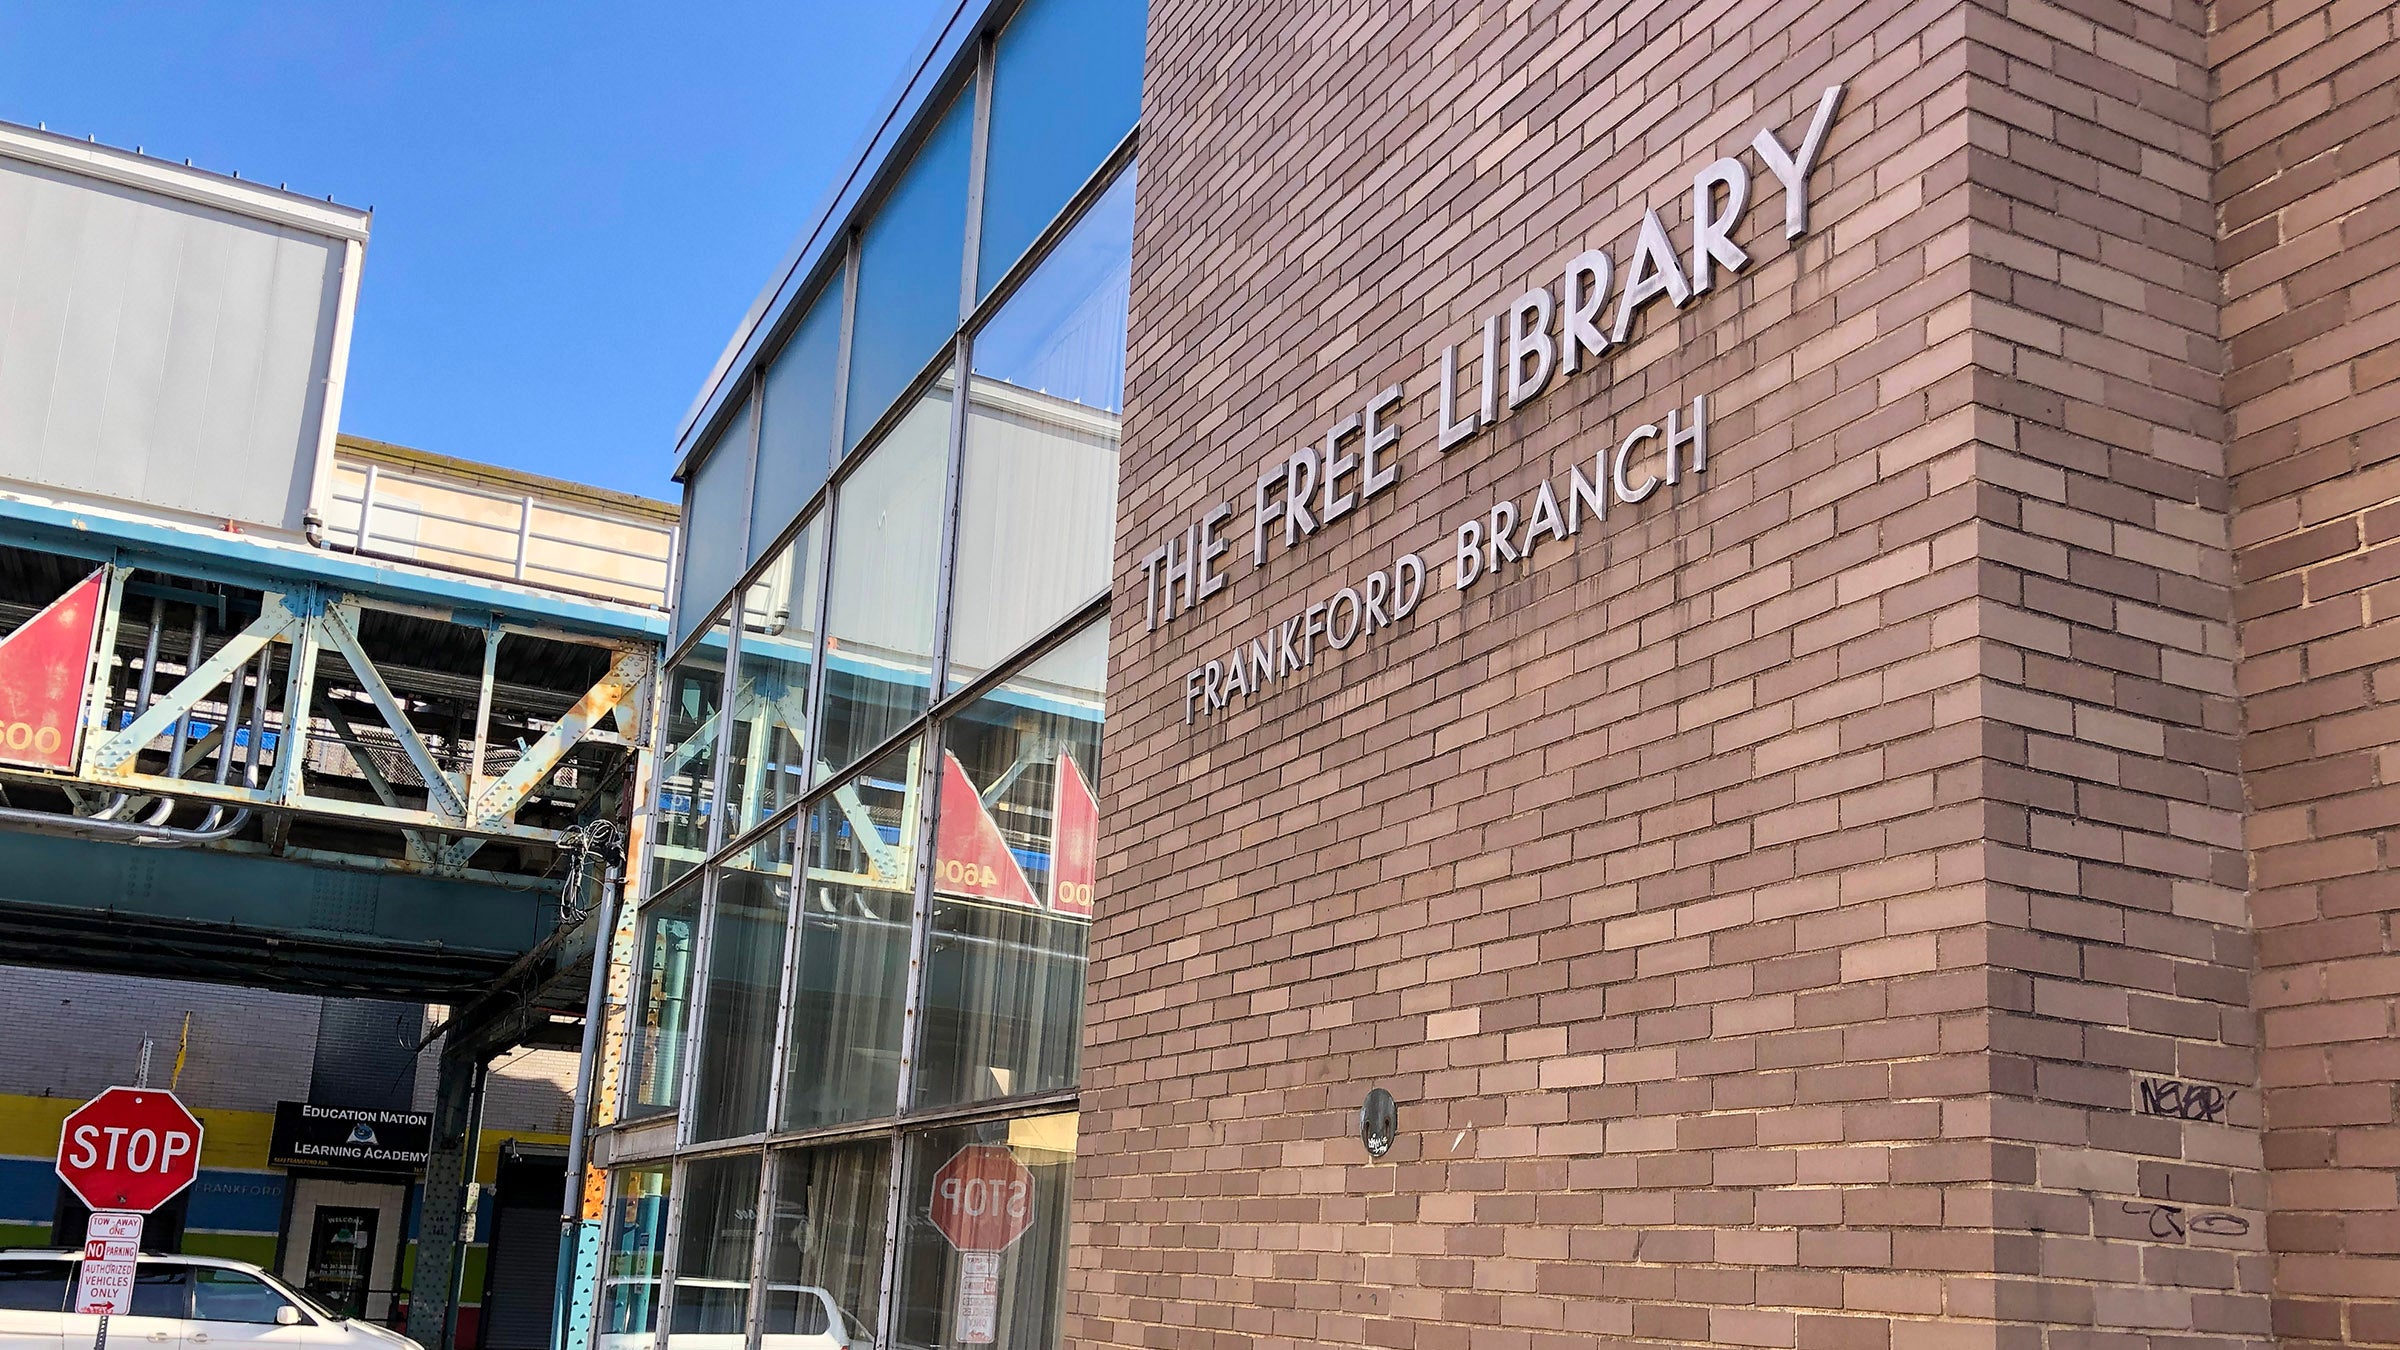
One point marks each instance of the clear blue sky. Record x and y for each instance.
(574, 204)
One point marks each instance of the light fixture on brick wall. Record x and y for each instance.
(1378, 1122)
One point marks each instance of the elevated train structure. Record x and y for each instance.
(280, 708)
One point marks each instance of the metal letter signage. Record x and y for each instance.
(1549, 333)
(42, 669)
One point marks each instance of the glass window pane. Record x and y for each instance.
(795, 431)
(662, 1001)
(887, 532)
(231, 1296)
(161, 1291)
(908, 264)
(637, 1240)
(716, 520)
(825, 1246)
(766, 768)
(1038, 489)
(687, 767)
(712, 1253)
(1015, 847)
(33, 1286)
(1008, 1299)
(842, 1056)
(1066, 87)
(737, 1018)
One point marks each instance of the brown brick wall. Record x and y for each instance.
(1769, 908)
(2309, 157)
(2120, 947)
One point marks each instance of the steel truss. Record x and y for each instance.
(334, 731)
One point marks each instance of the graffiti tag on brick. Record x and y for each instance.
(2180, 1100)
(2169, 1221)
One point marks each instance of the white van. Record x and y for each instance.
(179, 1303)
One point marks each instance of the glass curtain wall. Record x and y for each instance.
(637, 1245)
(874, 840)
(825, 1224)
(767, 760)
(708, 1304)
(666, 942)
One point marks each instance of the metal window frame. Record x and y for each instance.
(617, 1177)
(670, 1261)
(725, 846)
(823, 499)
(671, 1264)
(695, 1021)
(629, 1113)
(722, 842)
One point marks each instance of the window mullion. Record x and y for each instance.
(670, 1259)
(696, 1012)
(794, 892)
(761, 1229)
(978, 145)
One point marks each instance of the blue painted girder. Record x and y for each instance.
(269, 922)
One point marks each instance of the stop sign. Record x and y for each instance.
(130, 1149)
(982, 1198)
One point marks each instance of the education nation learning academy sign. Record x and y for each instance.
(1544, 334)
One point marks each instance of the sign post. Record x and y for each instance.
(123, 1153)
(983, 1202)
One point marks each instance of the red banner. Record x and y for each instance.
(970, 857)
(42, 670)
(1074, 857)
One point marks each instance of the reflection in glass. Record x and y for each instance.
(1015, 847)
(662, 1001)
(687, 766)
(887, 537)
(711, 1302)
(737, 1020)
(637, 1240)
(908, 272)
(1038, 491)
(1066, 87)
(795, 430)
(1017, 1294)
(716, 499)
(825, 1246)
(766, 768)
(842, 1056)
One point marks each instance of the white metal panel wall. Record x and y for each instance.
(161, 352)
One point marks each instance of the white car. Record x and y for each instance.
(708, 1316)
(179, 1303)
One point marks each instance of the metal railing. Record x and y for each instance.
(379, 510)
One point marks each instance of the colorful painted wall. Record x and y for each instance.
(237, 1205)
(231, 1055)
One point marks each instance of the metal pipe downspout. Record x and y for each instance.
(141, 702)
(183, 724)
(165, 810)
(233, 720)
(570, 1219)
